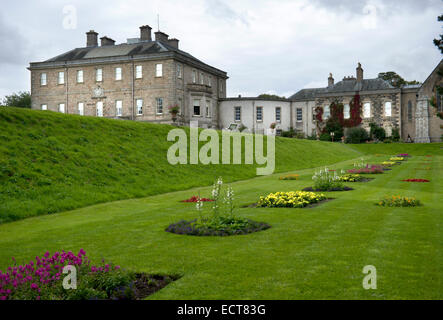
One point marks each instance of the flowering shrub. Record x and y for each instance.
(292, 199)
(324, 181)
(399, 201)
(42, 279)
(396, 159)
(351, 177)
(416, 180)
(196, 199)
(290, 177)
(369, 169)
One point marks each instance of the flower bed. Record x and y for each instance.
(290, 177)
(222, 221)
(196, 199)
(398, 201)
(416, 180)
(388, 163)
(396, 159)
(369, 169)
(351, 177)
(221, 226)
(42, 280)
(291, 199)
(403, 155)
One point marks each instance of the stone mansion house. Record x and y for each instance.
(140, 79)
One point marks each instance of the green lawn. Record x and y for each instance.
(52, 162)
(314, 253)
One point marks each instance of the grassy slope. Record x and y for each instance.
(51, 162)
(315, 253)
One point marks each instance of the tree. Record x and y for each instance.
(395, 79)
(270, 96)
(21, 99)
(439, 42)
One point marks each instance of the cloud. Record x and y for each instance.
(264, 46)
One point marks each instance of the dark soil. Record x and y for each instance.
(364, 180)
(187, 228)
(254, 205)
(333, 189)
(146, 284)
(143, 286)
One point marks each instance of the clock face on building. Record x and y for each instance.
(98, 92)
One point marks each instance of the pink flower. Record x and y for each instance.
(34, 286)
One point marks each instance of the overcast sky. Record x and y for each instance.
(278, 46)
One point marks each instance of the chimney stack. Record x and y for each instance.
(105, 41)
(91, 38)
(359, 73)
(330, 80)
(145, 33)
(173, 43)
(161, 36)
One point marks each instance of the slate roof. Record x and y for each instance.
(307, 94)
(344, 86)
(121, 50)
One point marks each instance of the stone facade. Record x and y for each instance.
(183, 81)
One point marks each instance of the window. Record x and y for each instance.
(118, 73)
(159, 70)
(277, 114)
(326, 112)
(346, 111)
(196, 107)
(180, 106)
(61, 77)
(159, 103)
(194, 76)
(179, 71)
(118, 108)
(61, 107)
(208, 108)
(139, 104)
(439, 102)
(388, 109)
(210, 81)
(202, 78)
(313, 114)
(79, 76)
(259, 114)
(278, 132)
(81, 108)
(44, 107)
(99, 75)
(138, 72)
(409, 110)
(367, 110)
(99, 109)
(43, 79)
(237, 113)
(299, 114)
(221, 86)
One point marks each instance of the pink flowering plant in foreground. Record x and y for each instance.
(42, 279)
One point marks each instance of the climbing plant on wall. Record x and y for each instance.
(436, 99)
(355, 112)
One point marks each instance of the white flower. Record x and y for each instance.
(220, 181)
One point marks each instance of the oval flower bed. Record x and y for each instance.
(352, 177)
(291, 199)
(398, 201)
(416, 180)
(42, 280)
(290, 177)
(196, 199)
(222, 222)
(221, 226)
(369, 169)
